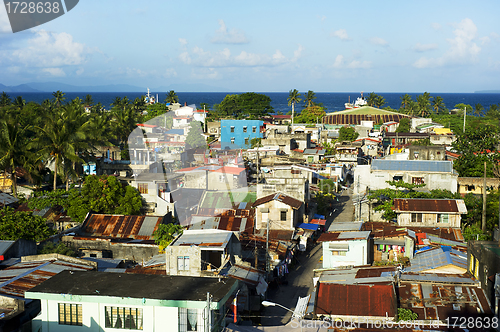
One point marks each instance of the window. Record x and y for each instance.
(183, 263)
(444, 218)
(246, 141)
(283, 215)
(232, 129)
(339, 253)
(70, 314)
(254, 129)
(397, 178)
(417, 180)
(232, 140)
(123, 318)
(245, 129)
(416, 217)
(310, 159)
(143, 188)
(190, 320)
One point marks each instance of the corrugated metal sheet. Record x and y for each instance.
(412, 165)
(121, 226)
(438, 278)
(429, 205)
(356, 300)
(436, 258)
(204, 239)
(345, 226)
(5, 245)
(6, 199)
(294, 203)
(355, 119)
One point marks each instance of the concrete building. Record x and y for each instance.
(278, 211)
(420, 212)
(434, 174)
(345, 249)
(418, 152)
(296, 187)
(100, 301)
(238, 134)
(199, 253)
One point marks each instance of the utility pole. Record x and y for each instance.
(207, 314)
(267, 251)
(465, 114)
(359, 202)
(483, 226)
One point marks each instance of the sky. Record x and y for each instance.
(262, 46)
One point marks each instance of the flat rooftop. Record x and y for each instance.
(159, 287)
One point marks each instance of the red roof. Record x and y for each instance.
(426, 205)
(281, 116)
(230, 170)
(356, 300)
(294, 203)
(146, 125)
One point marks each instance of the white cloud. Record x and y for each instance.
(339, 61)
(228, 36)
(4, 21)
(14, 69)
(355, 64)
(183, 41)
(379, 41)
(170, 72)
(297, 53)
(425, 47)
(58, 72)
(462, 49)
(341, 34)
(51, 50)
(205, 73)
(80, 71)
(185, 58)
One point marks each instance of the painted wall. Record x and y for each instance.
(429, 220)
(274, 215)
(356, 255)
(239, 135)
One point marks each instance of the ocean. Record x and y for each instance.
(333, 101)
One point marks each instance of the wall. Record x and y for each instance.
(194, 253)
(238, 134)
(357, 254)
(426, 152)
(429, 220)
(274, 216)
(297, 188)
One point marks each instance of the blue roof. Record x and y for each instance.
(312, 227)
(412, 165)
(175, 132)
(435, 258)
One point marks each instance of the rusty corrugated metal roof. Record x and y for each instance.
(355, 119)
(356, 300)
(294, 203)
(119, 226)
(427, 205)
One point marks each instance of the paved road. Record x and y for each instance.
(344, 209)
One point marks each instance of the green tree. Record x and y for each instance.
(309, 97)
(58, 98)
(165, 234)
(248, 105)
(22, 225)
(5, 100)
(293, 98)
(347, 134)
(172, 97)
(478, 109)
(405, 100)
(379, 102)
(195, 138)
(438, 104)
(404, 126)
(405, 315)
(313, 114)
(123, 119)
(103, 194)
(372, 98)
(424, 104)
(60, 248)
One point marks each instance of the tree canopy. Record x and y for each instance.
(249, 105)
(195, 138)
(347, 134)
(23, 225)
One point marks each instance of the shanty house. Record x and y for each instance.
(100, 301)
(345, 249)
(201, 252)
(281, 211)
(429, 212)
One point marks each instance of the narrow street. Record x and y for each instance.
(300, 282)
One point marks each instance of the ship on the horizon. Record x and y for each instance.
(360, 102)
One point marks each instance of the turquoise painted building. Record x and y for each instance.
(238, 134)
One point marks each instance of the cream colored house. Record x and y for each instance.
(429, 212)
(281, 211)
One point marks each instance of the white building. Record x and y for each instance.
(345, 249)
(104, 301)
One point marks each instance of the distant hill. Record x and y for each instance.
(487, 91)
(17, 88)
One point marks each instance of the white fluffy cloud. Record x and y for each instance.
(223, 35)
(57, 72)
(462, 48)
(340, 63)
(4, 21)
(341, 34)
(51, 50)
(425, 47)
(379, 41)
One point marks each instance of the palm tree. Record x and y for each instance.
(124, 120)
(309, 97)
(5, 100)
(293, 97)
(58, 98)
(438, 104)
(139, 104)
(88, 102)
(405, 100)
(424, 105)
(12, 146)
(172, 97)
(379, 102)
(478, 109)
(372, 97)
(19, 103)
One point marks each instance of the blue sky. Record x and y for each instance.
(263, 46)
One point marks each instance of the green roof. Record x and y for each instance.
(223, 199)
(366, 110)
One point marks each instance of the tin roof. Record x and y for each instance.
(5, 245)
(344, 236)
(434, 259)
(366, 113)
(136, 227)
(433, 301)
(356, 300)
(430, 205)
(412, 165)
(211, 239)
(294, 203)
(17, 279)
(6, 199)
(359, 275)
(247, 274)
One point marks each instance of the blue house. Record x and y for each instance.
(236, 134)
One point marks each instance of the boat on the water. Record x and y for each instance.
(360, 102)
